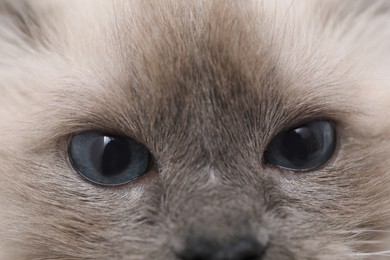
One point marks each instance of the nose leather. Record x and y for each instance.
(238, 249)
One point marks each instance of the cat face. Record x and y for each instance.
(204, 97)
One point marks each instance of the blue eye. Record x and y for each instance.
(305, 147)
(106, 159)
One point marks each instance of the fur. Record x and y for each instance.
(204, 85)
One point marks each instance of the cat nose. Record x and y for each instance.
(239, 249)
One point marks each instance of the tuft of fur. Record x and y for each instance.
(204, 85)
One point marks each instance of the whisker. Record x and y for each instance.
(362, 231)
(380, 253)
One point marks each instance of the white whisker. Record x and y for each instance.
(380, 253)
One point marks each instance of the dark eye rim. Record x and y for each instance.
(338, 131)
(151, 166)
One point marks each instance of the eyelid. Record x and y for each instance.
(300, 122)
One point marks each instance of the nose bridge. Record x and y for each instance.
(205, 201)
(211, 203)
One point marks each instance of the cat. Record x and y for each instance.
(183, 130)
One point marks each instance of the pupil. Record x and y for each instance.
(299, 145)
(110, 156)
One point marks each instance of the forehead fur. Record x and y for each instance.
(195, 48)
(183, 49)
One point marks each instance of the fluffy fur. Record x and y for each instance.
(204, 85)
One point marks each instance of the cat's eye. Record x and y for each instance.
(302, 148)
(107, 159)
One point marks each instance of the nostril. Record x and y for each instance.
(199, 249)
(242, 249)
(239, 249)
